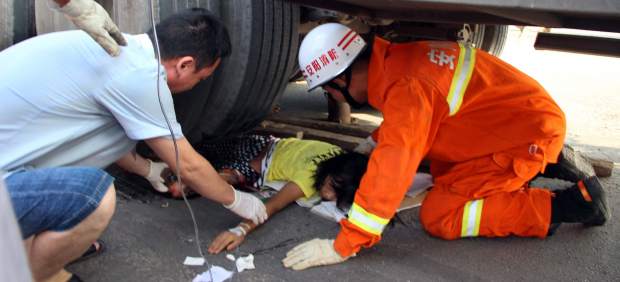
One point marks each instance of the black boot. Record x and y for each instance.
(584, 202)
(571, 166)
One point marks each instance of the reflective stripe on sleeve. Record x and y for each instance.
(462, 75)
(367, 221)
(471, 218)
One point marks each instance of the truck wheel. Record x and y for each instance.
(490, 38)
(244, 88)
(241, 93)
(17, 21)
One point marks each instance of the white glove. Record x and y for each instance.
(366, 146)
(248, 207)
(154, 176)
(311, 253)
(94, 20)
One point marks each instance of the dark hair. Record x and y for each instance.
(194, 32)
(346, 171)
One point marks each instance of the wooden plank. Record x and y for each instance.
(357, 130)
(602, 168)
(286, 130)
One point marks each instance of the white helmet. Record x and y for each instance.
(327, 51)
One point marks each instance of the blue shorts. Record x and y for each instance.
(55, 199)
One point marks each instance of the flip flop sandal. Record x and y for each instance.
(92, 251)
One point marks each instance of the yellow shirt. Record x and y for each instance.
(295, 160)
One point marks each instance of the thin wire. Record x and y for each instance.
(176, 149)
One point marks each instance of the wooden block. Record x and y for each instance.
(602, 168)
(286, 130)
(346, 129)
(590, 165)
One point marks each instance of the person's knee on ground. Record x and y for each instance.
(438, 222)
(50, 251)
(522, 213)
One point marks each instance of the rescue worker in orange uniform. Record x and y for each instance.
(487, 129)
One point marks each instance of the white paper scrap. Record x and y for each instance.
(244, 263)
(328, 210)
(421, 182)
(194, 261)
(230, 257)
(309, 202)
(219, 274)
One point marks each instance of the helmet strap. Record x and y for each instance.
(345, 90)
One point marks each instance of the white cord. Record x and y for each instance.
(176, 149)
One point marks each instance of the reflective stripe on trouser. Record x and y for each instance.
(470, 225)
(461, 77)
(367, 221)
(453, 208)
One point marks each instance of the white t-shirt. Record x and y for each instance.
(65, 101)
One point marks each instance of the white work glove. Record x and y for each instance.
(94, 20)
(154, 176)
(311, 253)
(248, 207)
(366, 146)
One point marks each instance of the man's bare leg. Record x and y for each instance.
(50, 251)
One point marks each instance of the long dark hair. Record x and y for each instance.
(346, 171)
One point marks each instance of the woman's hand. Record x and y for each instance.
(227, 240)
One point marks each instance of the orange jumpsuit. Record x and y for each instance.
(487, 129)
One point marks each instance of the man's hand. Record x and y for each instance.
(247, 206)
(94, 20)
(155, 176)
(228, 240)
(311, 253)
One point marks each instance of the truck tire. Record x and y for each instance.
(17, 21)
(490, 38)
(244, 88)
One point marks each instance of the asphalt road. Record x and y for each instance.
(150, 236)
